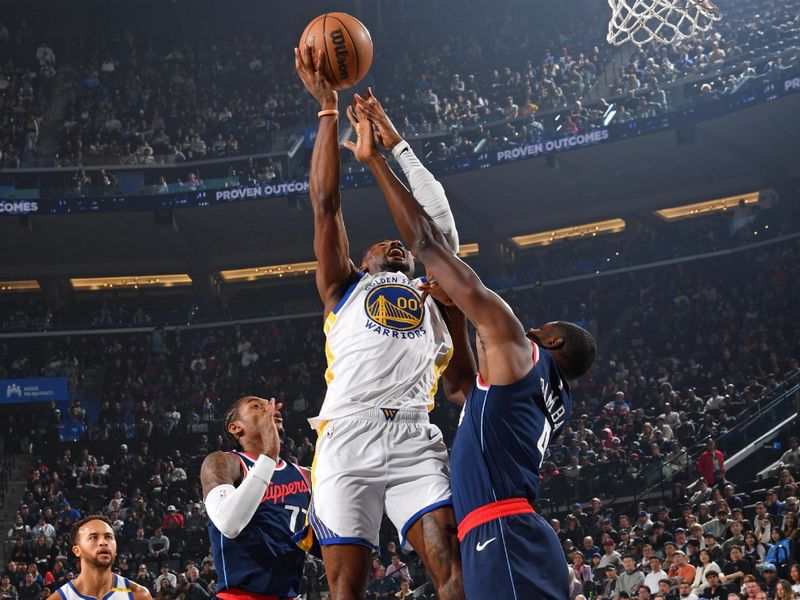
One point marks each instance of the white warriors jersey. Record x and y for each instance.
(121, 590)
(385, 348)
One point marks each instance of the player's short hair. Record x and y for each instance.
(231, 415)
(579, 351)
(73, 533)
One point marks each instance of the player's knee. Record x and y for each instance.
(453, 587)
(348, 590)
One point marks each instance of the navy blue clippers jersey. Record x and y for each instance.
(262, 559)
(503, 433)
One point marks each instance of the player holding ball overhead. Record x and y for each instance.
(387, 345)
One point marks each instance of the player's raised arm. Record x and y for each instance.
(426, 190)
(331, 248)
(508, 351)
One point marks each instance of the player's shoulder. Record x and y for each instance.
(220, 468)
(57, 594)
(139, 591)
(219, 457)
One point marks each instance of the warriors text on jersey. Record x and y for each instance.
(121, 590)
(385, 347)
(262, 559)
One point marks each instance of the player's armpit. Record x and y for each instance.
(219, 468)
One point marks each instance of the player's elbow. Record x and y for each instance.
(324, 204)
(453, 392)
(230, 527)
(428, 241)
(230, 530)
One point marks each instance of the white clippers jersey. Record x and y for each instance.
(122, 590)
(385, 349)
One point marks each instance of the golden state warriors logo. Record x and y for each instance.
(395, 307)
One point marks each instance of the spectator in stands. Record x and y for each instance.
(165, 576)
(711, 464)
(173, 519)
(382, 586)
(167, 591)
(680, 570)
(158, 546)
(769, 574)
(7, 590)
(610, 555)
(631, 578)
(19, 529)
(69, 513)
(685, 591)
(736, 568)
(405, 590)
(20, 553)
(145, 578)
(581, 571)
(139, 547)
(193, 588)
(30, 589)
(609, 588)
(655, 574)
(398, 569)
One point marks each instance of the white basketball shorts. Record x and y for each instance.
(377, 460)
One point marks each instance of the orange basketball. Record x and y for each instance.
(347, 47)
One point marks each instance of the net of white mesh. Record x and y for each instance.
(663, 21)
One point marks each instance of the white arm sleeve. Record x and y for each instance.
(427, 191)
(231, 508)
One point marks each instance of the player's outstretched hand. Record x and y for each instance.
(385, 131)
(431, 287)
(270, 438)
(364, 148)
(308, 64)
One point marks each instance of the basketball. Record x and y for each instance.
(347, 47)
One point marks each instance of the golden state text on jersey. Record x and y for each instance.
(385, 347)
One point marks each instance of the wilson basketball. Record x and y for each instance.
(346, 44)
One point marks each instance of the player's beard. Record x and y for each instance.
(100, 562)
(395, 267)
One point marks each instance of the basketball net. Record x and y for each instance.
(662, 21)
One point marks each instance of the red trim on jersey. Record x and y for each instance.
(535, 352)
(481, 383)
(278, 465)
(237, 594)
(492, 511)
(241, 460)
(303, 474)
